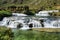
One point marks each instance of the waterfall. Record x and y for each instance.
(26, 21)
(36, 24)
(4, 22)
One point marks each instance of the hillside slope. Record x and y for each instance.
(33, 4)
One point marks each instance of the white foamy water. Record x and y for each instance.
(13, 21)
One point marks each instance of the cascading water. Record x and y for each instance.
(26, 21)
(4, 22)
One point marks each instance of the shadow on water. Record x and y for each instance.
(1, 18)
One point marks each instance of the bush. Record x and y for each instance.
(5, 13)
(6, 33)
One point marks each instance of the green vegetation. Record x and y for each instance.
(35, 35)
(33, 4)
(32, 7)
(5, 13)
(27, 11)
(47, 29)
(6, 33)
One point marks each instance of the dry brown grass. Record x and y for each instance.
(47, 29)
(57, 7)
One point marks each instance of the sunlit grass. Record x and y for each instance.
(36, 35)
(47, 29)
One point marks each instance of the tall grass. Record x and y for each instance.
(35, 35)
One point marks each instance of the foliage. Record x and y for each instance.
(35, 35)
(33, 4)
(27, 11)
(5, 13)
(6, 33)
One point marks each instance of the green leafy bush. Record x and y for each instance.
(6, 33)
(5, 13)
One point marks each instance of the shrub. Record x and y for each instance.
(6, 33)
(5, 13)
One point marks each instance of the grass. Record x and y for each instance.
(47, 29)
(57, 7)
(35, 35)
